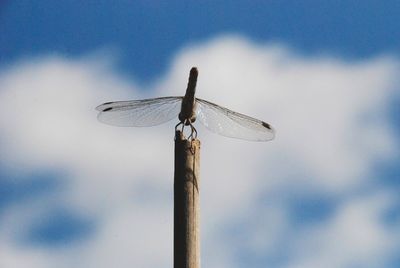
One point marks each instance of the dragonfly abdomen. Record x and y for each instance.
(188, 108)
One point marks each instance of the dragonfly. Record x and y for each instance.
(188, 109)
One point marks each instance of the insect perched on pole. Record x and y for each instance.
(151, 112)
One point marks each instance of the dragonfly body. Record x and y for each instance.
(151, 112)
(188, 107)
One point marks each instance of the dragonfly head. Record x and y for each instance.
(192, 120)
(187, 121)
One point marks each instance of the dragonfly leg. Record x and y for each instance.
(193, 134)
(177, 125)
(183, 125)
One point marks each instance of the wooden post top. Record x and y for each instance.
(180, 137)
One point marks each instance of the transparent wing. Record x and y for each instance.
(139, 113)
(232, 124)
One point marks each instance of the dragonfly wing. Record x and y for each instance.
(139, 113)
(232, 124)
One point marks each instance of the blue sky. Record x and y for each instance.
(149, 33)
(74, 192)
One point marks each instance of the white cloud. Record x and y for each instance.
(331, 127)
(356, 236)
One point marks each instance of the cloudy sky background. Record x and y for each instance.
(324, 193)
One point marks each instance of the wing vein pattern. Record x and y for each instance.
(139, 113)
(232, 124)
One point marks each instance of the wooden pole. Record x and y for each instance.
(186, 202)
